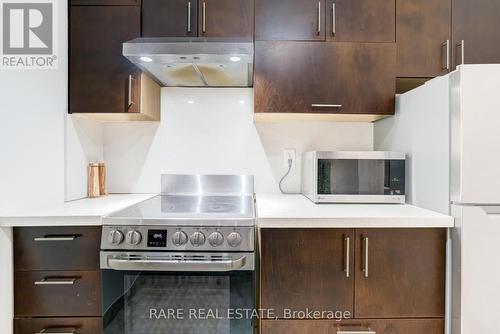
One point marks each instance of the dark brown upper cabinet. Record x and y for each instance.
(423, 36)
(101, 79)
(361, 20)
(319, 20)
(226, 18)
(335, 78)
(475, 32)
(400, 273)
(169, 18)
(301, 20)
(105, 2)
(307, 268)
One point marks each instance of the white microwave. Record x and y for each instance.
(354, 177)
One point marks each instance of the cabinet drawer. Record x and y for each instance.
(56, 248)
(57, 293)
(56, 325)
(379, 326)
(105, 2)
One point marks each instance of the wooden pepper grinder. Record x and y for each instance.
(102, 179)
(93, 180)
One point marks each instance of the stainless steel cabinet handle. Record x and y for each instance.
(204, 17)
(189, 17)
(334, 22)
(56, 281)
(347, 249)
(368, 330)
(56, 238)
(462, 51)
(175, 265)
(446, 47)
(319, 18)
(365, 255)
(58, 330)
(319, 105)
(130, 80)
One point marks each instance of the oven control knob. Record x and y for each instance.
(115, 237)
(216, 239)
(134, 237)
(234, 239)
(197, 239)
(179, 238)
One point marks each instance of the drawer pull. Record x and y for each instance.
(317, 105)
(58, 330)
(56, 281)
(347, 262)
(355, 330)
(57, 237)
(365, 255)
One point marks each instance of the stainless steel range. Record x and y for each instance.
(189, 249)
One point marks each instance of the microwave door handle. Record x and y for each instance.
(176, 265)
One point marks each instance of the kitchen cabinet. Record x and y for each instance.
(361, 20)
(289, 20)
(192, 18)
(382, 326)
(307, 268)
(101, 80)
(171, 18)
(226, 18)
(57, 279)
(400, 273)
(476, 24)
(336, 20)
(311, 77)
(423, 37)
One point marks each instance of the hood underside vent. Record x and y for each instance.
(194, 62)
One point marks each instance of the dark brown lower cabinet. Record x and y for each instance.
(312, 77)
(385, 326)
(57, 325)
(57, 293)
(400, 273)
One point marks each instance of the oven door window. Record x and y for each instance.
(181, 303)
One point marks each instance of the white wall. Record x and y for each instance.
(32, 108)
(84, 144)
(421, 129)
(216, 134)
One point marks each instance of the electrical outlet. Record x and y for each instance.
(289, 153)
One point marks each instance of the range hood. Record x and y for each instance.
(194, 62)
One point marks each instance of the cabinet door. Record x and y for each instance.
(169, 18)
(289, 20)
(101, 79)
(389, 326)
(305, 77)
(226, 18)
(400, 273)
(361, 20)
(476, 23)
(307, 269)
(423, 37)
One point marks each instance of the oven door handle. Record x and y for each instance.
(176, 265)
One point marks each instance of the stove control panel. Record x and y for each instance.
(178, 238)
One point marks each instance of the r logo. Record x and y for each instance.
(27, 28)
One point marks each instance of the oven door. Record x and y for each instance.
(182, 293)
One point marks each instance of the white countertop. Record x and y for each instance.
(86, 211)
(274, 211)
(297, 211)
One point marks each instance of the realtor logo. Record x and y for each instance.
(28, 34)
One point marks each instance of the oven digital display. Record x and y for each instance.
(157, 238)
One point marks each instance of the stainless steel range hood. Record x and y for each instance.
(194, 62)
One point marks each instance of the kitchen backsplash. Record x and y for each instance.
(205, 131)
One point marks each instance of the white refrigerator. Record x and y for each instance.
(450, 129)
(475, 199)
